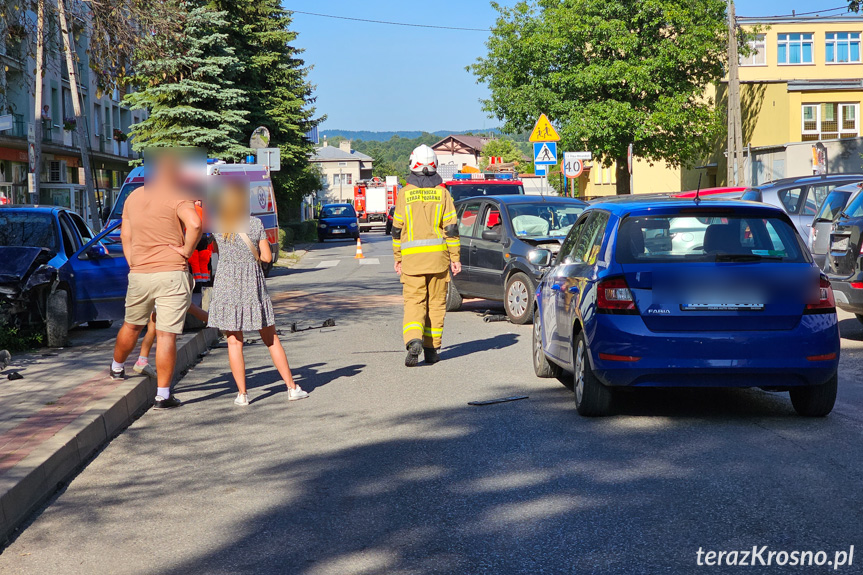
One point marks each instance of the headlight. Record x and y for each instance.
(322, 226)
(353, 224)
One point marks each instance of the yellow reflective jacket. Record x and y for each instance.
(419, 238)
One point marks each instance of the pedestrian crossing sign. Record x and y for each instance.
(545, 153)
(543, 131)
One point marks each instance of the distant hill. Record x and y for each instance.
(370, 136)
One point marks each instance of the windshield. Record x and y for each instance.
(543, 219)
(27, 230)
(706, 238)
(832, 206)
(338, 212)
(117, 212)
(460, 191)
(854, 209)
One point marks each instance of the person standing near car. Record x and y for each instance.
(426, 247)
(157, 249)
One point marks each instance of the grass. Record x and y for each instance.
(288, 259)
(17, 339)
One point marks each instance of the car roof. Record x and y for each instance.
(809, 180)
(525, 199)
(621, 206)
(336, 205)
(34, 208)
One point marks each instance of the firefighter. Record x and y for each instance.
(426, 247)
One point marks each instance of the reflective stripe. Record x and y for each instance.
(417, 243)
(397, 243)
(409, 224)
(449, 215)
(412, 326)
(424, 249)
(398, 218)
(432, 331)
(437, 210)
(453, 242)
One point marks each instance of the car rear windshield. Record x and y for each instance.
(338, 212)
(543, 219)
(833, 204)
(21, 229)
(854, 209)
(459, 191)
(707, 237)
(751, 195)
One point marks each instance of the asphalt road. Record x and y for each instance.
(385, 470)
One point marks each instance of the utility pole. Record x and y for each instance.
(735, 128)
(80, 118)
(33, 178)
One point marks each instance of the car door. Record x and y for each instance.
(793, 201)
(551, 290)
(486, 253)
(574, 283)
(468, 214)
(101, 278)
(815, 196)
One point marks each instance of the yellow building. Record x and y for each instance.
(802, 84)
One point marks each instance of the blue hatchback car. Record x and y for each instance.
(338, 221)
(665, 293)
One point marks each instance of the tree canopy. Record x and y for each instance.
(504, 148)
(609, 73)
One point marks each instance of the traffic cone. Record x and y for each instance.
(359, 255)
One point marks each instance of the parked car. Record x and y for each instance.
(801, 198)
(468, 186)
(844, 265)
(389, 226)
(727, 193)
(338, 221)
(822, 223)
(55, 273)
(623, 305)
(498, 234)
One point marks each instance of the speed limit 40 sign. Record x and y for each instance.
(573, 163)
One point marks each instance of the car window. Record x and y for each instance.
(81, 226)
(491, 219)
(117, 211)
(751, 195)
(587, 247)
(817, 195)
(27, 229)
(543, 218)
(832, 206)
(71, 240)
(854, 209)
(791, 199)
(568, 250)
(338, 212)
(467, 218)
(674, 238)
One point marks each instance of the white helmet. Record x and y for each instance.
(423, 160)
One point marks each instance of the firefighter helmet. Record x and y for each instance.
(423, 160)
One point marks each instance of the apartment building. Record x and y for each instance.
(107, 121)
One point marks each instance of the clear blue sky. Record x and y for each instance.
(379, 77)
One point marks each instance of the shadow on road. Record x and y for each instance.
(501, 341)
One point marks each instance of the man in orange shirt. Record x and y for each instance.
(157, 249)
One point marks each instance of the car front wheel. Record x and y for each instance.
(541, 366)
(519, 298)
(815, 400)
(592, 397)
(453, 298)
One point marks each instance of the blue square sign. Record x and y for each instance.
(545, 153)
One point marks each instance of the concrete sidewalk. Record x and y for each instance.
(64, 409)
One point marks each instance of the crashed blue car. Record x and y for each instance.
(55, 273)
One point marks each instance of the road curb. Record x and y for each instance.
(34, 479)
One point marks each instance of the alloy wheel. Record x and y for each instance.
(517, 298)
(537, 343)
(579, 372)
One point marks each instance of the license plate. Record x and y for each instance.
(722, 307)
(338, 231)
(840, 245)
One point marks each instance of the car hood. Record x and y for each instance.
(16, 263)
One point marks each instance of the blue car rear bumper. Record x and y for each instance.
(714, 359)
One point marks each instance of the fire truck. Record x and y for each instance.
(373, 199)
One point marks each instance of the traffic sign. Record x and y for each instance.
(543, 131)
(7, 122)
(578, 155)
(572, 167)
(545, 153)
(539, 170)
(269, 157)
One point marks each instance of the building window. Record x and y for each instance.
(794, 49)
(342, 179)
(830, 121)
(842, 47)
(758, 55)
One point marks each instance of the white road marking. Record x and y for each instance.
(328, 264)
(370, 262)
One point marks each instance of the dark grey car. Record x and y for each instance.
(800, 197)
(498, 233)
(822, 224)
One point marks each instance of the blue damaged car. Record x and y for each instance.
(55, 273)
(682, 293)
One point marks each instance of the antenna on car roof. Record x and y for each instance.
(698, 190)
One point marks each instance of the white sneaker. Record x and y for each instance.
(242, 399)
(297, 393)
(145, 369)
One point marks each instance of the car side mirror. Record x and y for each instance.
(96, 251)
(491, 235)
(541, 258)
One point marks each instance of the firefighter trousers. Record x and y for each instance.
(425, 307)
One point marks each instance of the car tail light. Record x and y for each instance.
(270, 203)
(823, 357)
(613, 357)
(856, 285)
(614, 295)
(826, 302)
(273, 236)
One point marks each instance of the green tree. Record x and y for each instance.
(279, 95)
(184, 81)
(506, 149)
(609, 73)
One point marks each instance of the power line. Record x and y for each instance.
(388, 23)
(799, 13)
